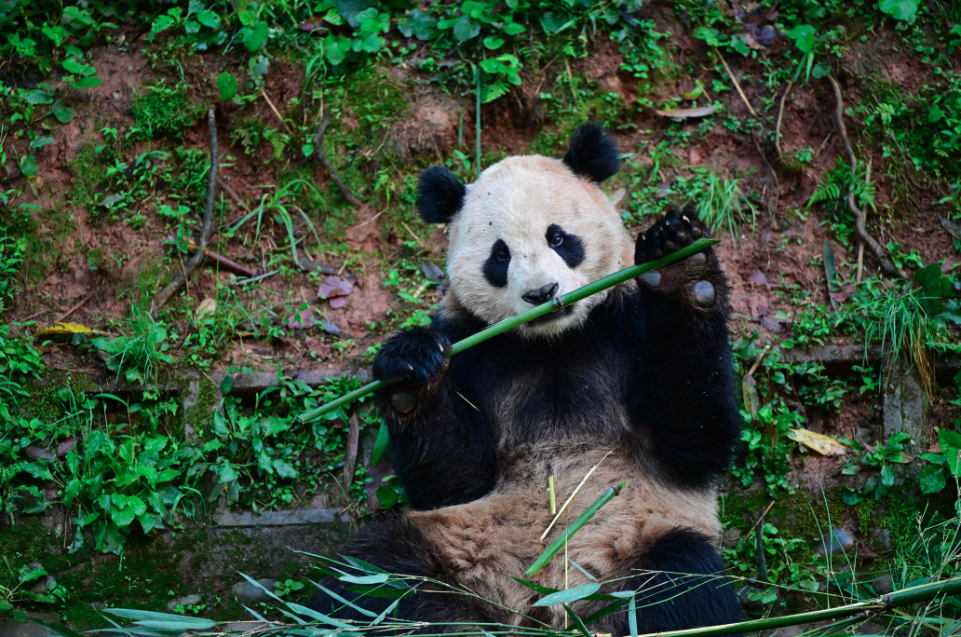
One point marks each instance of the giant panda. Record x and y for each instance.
(638, 379)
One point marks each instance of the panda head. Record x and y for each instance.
(529, 229)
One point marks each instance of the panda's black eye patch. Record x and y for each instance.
(568, 246)
(495, 268)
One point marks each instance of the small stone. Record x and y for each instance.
(839, 541)
(652, 278)
(403, 401)
(186, 601)
(252, 594)
(703, 294)
(698, 258)
(883, 585)
(883, 538)
(97, 605)
(731, 537)
(43, 585)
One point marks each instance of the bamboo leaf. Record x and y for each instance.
(569, 595)
(146, 615)
(309, 612)
(578, 622)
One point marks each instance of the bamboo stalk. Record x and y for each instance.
(913, 595)
(569, 532)
(496, 329)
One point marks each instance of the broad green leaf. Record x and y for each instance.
(804, 36)
(255, 37)
(465, 29)
(710, 36)
(64, 114)
(904, 10)
(569, 595)
(89, 82)
(513, 28)
(492, 42)
(284, 469)
(932, 479)
(123, 517)
(28, 166)
(227, 84)
(37, 96)
(209, 19)
(72, 66)
(887, 475)
(935, 115)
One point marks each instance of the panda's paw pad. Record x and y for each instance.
(702, 293)
(668, 234)
(411, 358)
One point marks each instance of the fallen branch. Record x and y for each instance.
(334, 176)
(879, 253)
(164, 295)
(226, 263)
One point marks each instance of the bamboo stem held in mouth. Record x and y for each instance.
(496, 329)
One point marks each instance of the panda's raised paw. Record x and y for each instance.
(411, 358)
(668, 234)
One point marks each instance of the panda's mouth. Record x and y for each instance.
(553, 316)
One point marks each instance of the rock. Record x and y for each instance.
(839, 541)
(10, 627)
(730, 538)
(185, 601)
(905, 404)
(43, 585)
(251, 594)
(883, 585)
(883, 538)
(97, 605)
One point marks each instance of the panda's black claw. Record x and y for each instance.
(411, 358)
(673, 231)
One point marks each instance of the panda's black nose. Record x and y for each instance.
(541, 295)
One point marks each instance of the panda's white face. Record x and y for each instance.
(529, 230)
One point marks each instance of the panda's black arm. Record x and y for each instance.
(443, 448)
(683, 380)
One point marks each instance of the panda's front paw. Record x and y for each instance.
(411, 360)
(674, 231)
(698, 278)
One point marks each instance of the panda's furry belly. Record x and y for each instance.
(479, 544)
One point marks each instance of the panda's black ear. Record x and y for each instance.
(592, 153)
(439, 195)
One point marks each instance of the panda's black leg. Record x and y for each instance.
(443, 449)
(680, 585)
(398, 547)
(685, 384)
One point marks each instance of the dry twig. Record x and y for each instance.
(780, 117)
(737, 84)
(164, 295)
(879, 253)
(334, 176)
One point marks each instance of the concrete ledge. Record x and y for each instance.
(282, 518)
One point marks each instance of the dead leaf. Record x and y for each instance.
(770, 324)
(350, 457)
(338, 302)
(688, 113)
(301, 320)
(618, 196)
(951, 228)
(759, 278)
(69, 329)
(824, 445)
(758, 306)
(207, 306)
(317, 346)
(332, 287)
(329, 326)
(749, 392)
(432, 271)
(64, 447)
